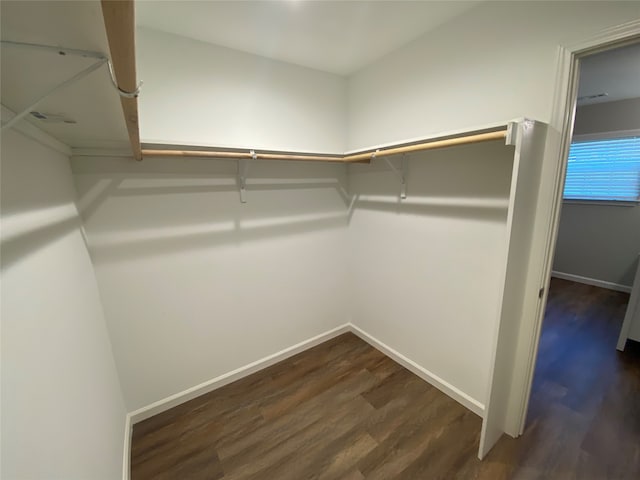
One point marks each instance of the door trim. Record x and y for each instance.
(550, 196)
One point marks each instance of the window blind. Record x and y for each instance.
(604, 170)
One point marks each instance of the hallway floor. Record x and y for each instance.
(584, 413)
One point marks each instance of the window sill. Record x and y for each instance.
(608, 203)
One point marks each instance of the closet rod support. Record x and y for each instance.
(78, 53)
(243, 170)
(511, 137)
(400, 173)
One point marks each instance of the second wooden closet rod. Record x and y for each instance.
(357, 157)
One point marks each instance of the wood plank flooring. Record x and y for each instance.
(343, 410)
(584, 413)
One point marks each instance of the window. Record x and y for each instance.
(605, 170)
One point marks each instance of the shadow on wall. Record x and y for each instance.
(133, 210)
(19, 246)
(469, 182)
(464, 208)
(630, 272)
(160, 206)
(132, 214)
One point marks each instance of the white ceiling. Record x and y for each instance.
(334, 36)
(26, 74)
(615, 72)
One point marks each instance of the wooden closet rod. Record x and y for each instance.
(419, 147)
(119, 22)
(240, 155)
(358, 157)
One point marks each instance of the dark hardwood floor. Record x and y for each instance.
(584, 412)
(343, 410)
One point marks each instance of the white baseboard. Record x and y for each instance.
(126, 453)
(591, 281)
(215, 383)
(429, 377)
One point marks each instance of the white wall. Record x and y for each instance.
(608, 117)
(196, 284)
(63, 415)
(197, 93)
(601, 242)
(157, 250)
(426, 270)
(493, 63)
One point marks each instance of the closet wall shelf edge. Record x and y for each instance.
(364, 157)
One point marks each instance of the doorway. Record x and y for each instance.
(518, 333)
(584, 392)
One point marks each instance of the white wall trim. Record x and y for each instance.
(126, 452)
(224, 379)
(591, 281)
(34, 133)
(178, 398)
(429, 377)
(603, 203)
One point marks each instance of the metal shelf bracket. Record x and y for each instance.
(401, 173)
(243, 170)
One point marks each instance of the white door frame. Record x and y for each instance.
(550, 203)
